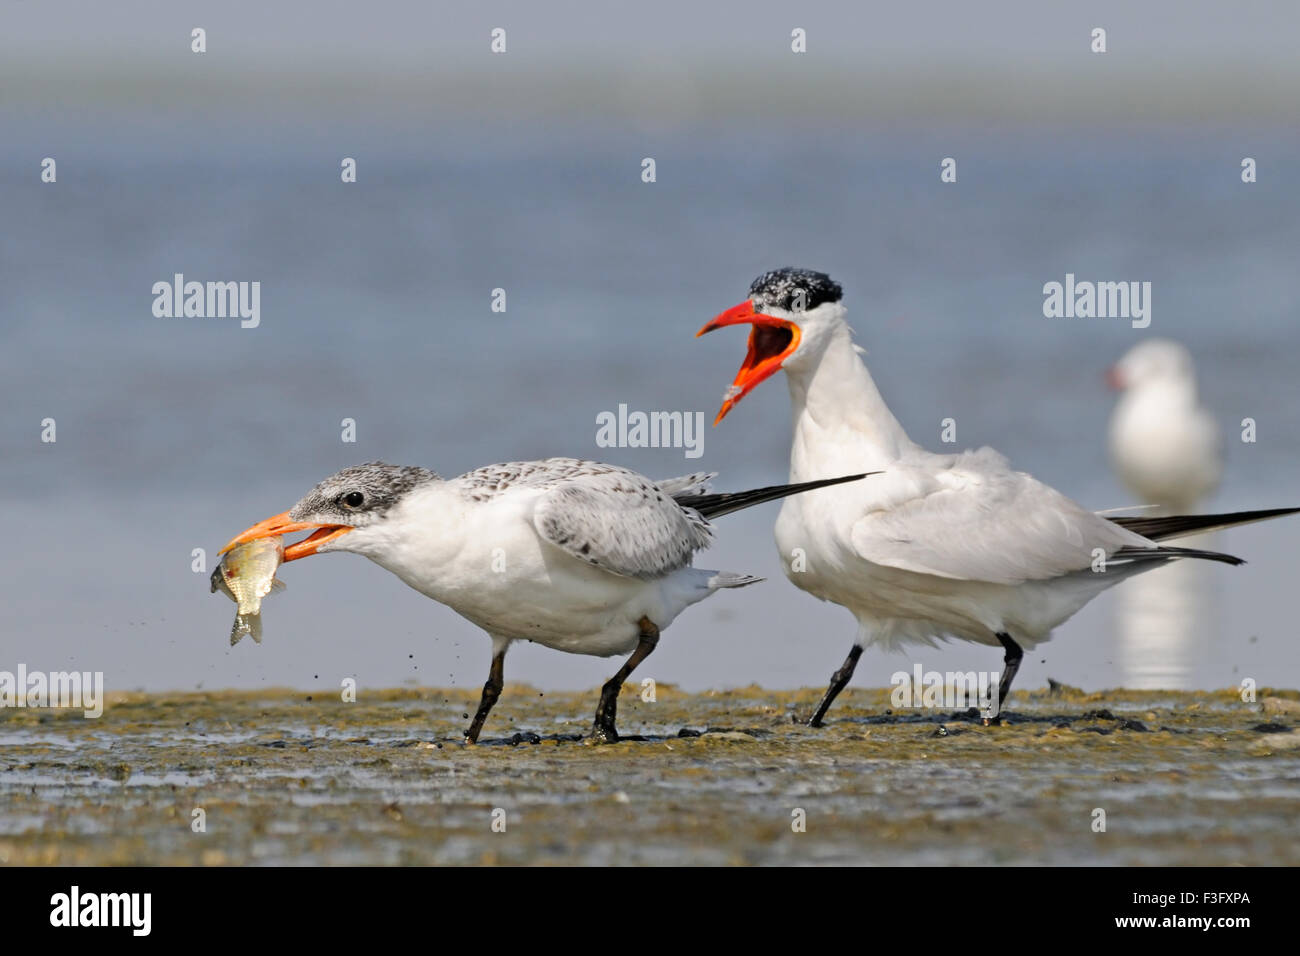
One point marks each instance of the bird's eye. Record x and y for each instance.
(353, 499)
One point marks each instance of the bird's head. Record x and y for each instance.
(1150, 362)
(792, 314)
(355, 501)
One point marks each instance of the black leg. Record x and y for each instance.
(1011, 660)
(839, 680)
(603, 730)
(491, 691)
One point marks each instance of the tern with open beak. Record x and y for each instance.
(939, 546)
(576, 555)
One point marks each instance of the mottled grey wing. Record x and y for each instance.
(489, 481)
(695, 484)
(621, 522)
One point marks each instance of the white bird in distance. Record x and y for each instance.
(1165, 446)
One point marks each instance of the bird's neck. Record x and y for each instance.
(840, 419)
(421, 535)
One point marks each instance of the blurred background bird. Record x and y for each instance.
(1166, 449)
(1165, 446)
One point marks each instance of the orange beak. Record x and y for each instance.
(1114, 379)
(280, 524)
(771, 342)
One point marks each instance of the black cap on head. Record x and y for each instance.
(781, 288)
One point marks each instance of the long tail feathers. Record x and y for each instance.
(1162, 554)
(1159, 527)
(713, 506)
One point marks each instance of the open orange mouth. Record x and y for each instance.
(771, 342)
(281, 524)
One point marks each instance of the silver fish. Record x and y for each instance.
(247, 574)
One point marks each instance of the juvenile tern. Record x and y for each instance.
(579, 556)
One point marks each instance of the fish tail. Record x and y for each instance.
(246, 624)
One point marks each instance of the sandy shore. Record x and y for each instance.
(293, 777)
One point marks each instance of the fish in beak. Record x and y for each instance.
(771, 342)
(282, 524)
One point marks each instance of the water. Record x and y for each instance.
(173, 434)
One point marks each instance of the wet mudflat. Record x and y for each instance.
(288, 777)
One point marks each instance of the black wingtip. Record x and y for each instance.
(1167, 553)
(1159, 527)
(713, 506)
